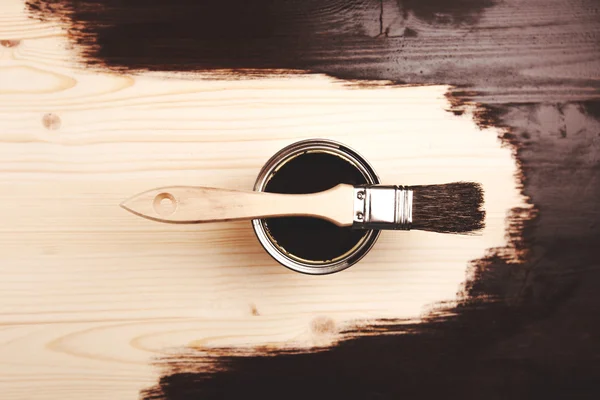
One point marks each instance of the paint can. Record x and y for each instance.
(311, 245)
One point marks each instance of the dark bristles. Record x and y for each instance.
(450, 208)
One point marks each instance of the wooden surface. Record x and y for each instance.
(494, 51)
(90, 295)
(100, 99)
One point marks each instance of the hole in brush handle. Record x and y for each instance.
(165, 204)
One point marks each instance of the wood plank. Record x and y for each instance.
(502, 51)
(90, 294)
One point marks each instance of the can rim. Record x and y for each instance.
(259, 226)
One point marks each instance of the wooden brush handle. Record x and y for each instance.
(191, 204)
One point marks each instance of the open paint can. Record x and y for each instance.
(312, 245)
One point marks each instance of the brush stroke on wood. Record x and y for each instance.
(511, 50)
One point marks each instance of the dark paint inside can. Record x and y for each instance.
(311, 245)
(312, 239)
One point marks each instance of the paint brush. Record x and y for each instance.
(447, 208)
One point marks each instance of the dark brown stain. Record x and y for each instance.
(527, 326)
(505, 51)
(313, 239)
(189, 35)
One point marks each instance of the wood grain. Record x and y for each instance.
(494, 51)
(90, 294)
(525, 328)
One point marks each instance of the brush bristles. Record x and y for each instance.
(449, 208)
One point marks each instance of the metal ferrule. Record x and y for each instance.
(382, 207)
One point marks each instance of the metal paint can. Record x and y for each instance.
(284, 243)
